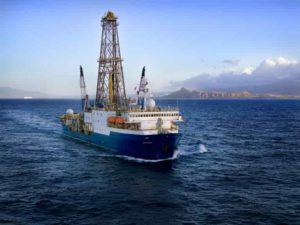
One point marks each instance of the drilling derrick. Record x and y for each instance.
(110, 86)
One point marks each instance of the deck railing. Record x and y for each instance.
(156, 109)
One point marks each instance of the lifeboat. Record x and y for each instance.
(119, 120)
(116, 120)
(111, 119)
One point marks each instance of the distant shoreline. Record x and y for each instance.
(162, 99)
(295, 98)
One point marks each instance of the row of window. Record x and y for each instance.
(154, 115)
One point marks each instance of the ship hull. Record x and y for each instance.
(149, 147)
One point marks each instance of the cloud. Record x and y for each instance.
(233, 62)
(269, 63)
(278, 76)
(248, 70)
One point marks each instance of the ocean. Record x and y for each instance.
(238, 162)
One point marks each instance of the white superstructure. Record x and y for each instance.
(134, 121)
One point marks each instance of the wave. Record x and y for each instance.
(183, 150)
(202, 148)
(34, 121)
(140, 160)
(192, 149)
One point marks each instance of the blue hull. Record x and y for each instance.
(150, 147)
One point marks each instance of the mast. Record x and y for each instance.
(110, 86)
(84, 96)
(142, 90)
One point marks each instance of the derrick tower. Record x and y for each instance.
(110, 86)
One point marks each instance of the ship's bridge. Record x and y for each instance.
(157, 112)
(154, 118)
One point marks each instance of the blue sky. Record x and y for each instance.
(44, 42)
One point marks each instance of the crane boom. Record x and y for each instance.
(82, 84)
(84, 96)
(142, 90)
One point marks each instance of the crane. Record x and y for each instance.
(84, 96)
(142, 90)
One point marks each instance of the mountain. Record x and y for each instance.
(184, 93)
(7, 92)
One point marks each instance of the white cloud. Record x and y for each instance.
(268, 63)
(277, 62)
(233, 62)
(248, 70)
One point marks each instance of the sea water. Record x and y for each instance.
(238, 162)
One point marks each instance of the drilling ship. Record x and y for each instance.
(138, 129)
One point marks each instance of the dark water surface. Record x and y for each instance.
(239, 163)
